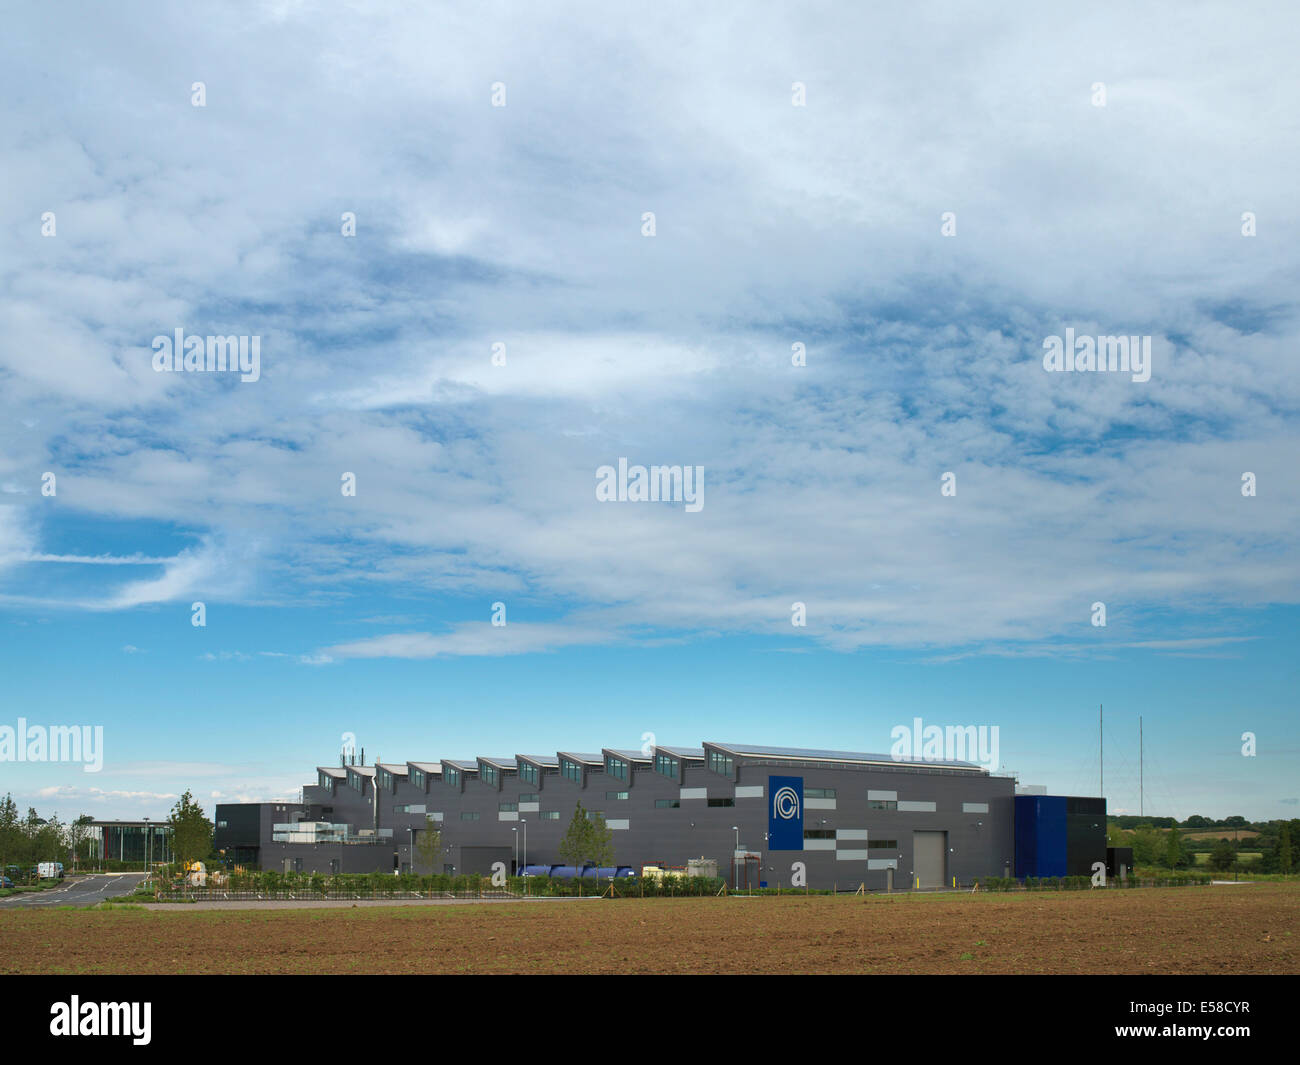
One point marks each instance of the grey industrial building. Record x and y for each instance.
(849, 818)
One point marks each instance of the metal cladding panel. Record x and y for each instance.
(1041, 845)
(1085, 836)
(1026, 835)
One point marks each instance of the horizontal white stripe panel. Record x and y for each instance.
(507, 815)
(974, 807)
(851, 833)
(695, 793)
(882, 863)
(916, 807)
(618, 824)
(819, 804)
(530, 807)
(750, 791)
(436, 817)
(850, 856)
(819, 844)
(890, 796)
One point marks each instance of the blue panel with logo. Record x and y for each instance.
(785, 813)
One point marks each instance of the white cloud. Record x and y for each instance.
(776, 224)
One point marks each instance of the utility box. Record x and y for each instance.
(1119, 862)
(702, 867)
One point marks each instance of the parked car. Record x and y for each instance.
(5, 882)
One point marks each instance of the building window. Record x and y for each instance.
(550, 815)
(417, 777)
(882, 804)
(530, 798)
(615, 767)
(452, 776)
(528, 772)
(571, 770)
(882, 844)
(819, 793)
(616, 795)
(487, 773)
(469, 815)
(223, 824)
(721, 763)
(593, 814)
(507, 807)
(668, 766)
(722, 802)
(667, 804)
(819, 833)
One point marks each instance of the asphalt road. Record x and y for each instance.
(83, 891)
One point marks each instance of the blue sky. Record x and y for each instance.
(522, 225)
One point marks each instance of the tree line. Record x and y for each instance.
(27, 841)
(1154, 845)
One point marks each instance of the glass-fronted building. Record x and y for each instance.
(130, 841)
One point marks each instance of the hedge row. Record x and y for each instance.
(1084, 883)
(270, 883)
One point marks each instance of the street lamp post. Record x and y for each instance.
(516, 835)
(524, 821)
(735, 870)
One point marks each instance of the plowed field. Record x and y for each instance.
(1244, 929)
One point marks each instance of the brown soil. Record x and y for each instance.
(1245, 929)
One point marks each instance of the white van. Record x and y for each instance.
(50, 870)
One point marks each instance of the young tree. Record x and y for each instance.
(1284, 849)
(79, 833)
(600, 841)
(429, 847)
(587, 840)
(1223, 855)
(51, 841)
(1174, 856)
(11, 834)
(573, 847)
(1146, 845)
(191, 830)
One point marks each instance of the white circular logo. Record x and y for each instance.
(785, 803)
